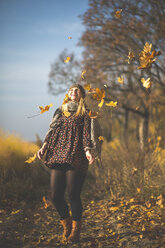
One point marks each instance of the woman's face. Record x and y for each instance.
(74, 94)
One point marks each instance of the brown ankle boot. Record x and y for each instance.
(67, 226)
(75, 233)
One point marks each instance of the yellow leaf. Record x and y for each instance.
(119, 225)
(159, 138)
(66, 113)
(118, 13)
(111, 104)
(101, 138)
(15, 212)
(120, 80)
(99, 95)
(130, 57)
(31, 159)
(159, 200)
(114, 209)
(146, 83)
(101, 103)
(67, 60)
(148, 204)
(149, 214)
(46, 108)
(147, 48)
(93, 114)
(138, 190)
(143, 228)
(147, 57)
(87, 86)
(46, 203)
(82, 74)
(66, 99)
(134, 170)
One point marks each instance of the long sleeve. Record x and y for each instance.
(54, 123)
(87, 143)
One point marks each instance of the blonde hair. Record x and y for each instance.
(81, 107)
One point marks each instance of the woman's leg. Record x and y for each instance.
(58, 185)
(75, 180)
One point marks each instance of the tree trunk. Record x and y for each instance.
(143, 130)
(125, 131)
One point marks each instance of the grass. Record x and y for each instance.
(20, 181)
(128, 172)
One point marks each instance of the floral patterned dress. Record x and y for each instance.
(67, 141)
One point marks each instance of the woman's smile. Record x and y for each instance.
(74, 94)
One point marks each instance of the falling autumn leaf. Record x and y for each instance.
(82, 74)
(120, 80)
(146, 83)
(118, 13)
(159, 138)
(138, 190)
(66, 99)
(111, 104)
(147, 57)
(130, 57)
(31, 159)
(87, 86)
(101, 138)
(46, 108)
(66, 113)
(67, 60)
(159, 200)
(46, 203)
(93, 114)
(99, 94)
(101, 103)
(134, 170)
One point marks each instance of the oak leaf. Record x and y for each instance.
(46, 108)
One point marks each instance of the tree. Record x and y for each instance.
(64, 72)
(114, 29)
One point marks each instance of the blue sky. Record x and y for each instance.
(33, 34)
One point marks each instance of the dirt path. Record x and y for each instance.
(105, 224)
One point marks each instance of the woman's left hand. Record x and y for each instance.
(90, 157)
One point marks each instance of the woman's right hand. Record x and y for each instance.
(41, 151)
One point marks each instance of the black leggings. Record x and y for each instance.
(73, 180)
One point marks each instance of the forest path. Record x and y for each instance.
(105, 223)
